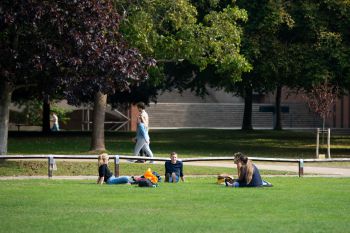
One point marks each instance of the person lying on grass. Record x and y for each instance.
(105, 175)
(173, 169)
(248, 174)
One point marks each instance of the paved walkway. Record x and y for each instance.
(308, 170)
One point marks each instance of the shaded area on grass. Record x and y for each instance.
(187, 142)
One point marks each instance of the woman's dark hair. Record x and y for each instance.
(141, 105)
(244, 159)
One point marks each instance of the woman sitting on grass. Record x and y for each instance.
(248, 173)
(105, 175)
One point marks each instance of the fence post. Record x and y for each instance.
(329, 143)
(301, 167)
(317, 143)
(49, 166)
(116, 166)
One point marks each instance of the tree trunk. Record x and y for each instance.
(98, 124)
(248, 106)
(278, 122)
(5, 100)
(46, 115)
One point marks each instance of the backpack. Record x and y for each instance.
(144, 182)
(158, 176)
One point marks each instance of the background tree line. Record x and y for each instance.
(126, 51)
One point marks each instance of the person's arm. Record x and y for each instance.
(181, 173)
(101, 174)
(166, 165)
(144, 133)
(239, 165)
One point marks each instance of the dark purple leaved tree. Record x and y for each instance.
(94, 59)
(18, 48)
(74, 43)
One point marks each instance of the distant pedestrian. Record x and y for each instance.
(173, 169)
(143, 114)
(142, 139)
(54, 120)
(145, 119)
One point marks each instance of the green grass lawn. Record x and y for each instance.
(187, 142)
(198, 205)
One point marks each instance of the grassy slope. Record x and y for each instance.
(64, 168)
(199, 205)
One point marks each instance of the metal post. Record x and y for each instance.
(317, 143)
(50, 166)
(116, 166)
(301, 167)
(88, 118)
(329, 143)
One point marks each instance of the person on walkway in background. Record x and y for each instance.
(173, 169)
(142, 139)
(144, 115)
(248, 174)
(54, 120)
(105, 175)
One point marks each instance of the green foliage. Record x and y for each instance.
(62, 113)
(198, 205)
(322, 33)
(172, 32)
(30, 113)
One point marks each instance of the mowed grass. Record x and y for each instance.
(198, 205)
(187, 142)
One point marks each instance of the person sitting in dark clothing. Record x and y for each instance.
(173, 169)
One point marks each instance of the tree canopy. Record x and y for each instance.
(76, 44)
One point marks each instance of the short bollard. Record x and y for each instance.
(301, 167)
(51, 166)
(116, 166)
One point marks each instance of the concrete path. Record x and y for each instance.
(308, 170)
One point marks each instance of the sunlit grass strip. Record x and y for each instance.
(70, 168)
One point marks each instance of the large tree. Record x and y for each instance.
(18, 48)
(322, 32)
(265, 50)
(77, 43)
(313, 50)
(100, 61)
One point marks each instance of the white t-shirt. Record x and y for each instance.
(144, 116)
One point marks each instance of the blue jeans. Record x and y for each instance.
(235, 184)
(55, 128)
(118, 180)
(142, 144)
(171, 179)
